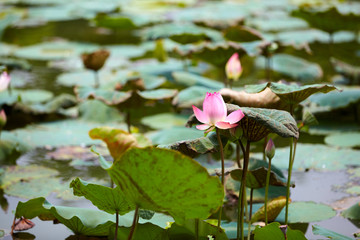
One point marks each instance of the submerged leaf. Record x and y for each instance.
(183, 176)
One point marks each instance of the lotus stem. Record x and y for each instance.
(222, 171)
(264, 146)
(135, 220)
(267, 190)
(250, 213)
(268, 68)
(240, 226)
(242, 149)
(289, 181)
(97, 80)
(128, 122)
(238, 154)
(117, 224)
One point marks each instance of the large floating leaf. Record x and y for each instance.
(242, 34)
(196, 146)
(10, 150)
(273, 231)
(316, 156)
(182, 33)
(344, 140)
(271, 24)
(107, 96)
(172, 135)
(318, 230)
(54, 50)
(294, 67)
(164, 120)
(97, 111)
(25, 96)
(350, 72)
(110, 200)
(146, 231)
(117, 140)
(137, 174)
(191, 96)
(158, 94)
(306, 212)
(190, 79)
(352, 212)
(59, 133)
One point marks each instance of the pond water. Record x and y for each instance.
(41, 44)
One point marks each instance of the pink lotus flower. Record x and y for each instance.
(233, 67)
(270, 149)
(4, 81)
(214, 114)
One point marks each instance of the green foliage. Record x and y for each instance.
(318, 230)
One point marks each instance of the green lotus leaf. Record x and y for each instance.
(306, 212)
(344, 140)
(352, 212)
(25, 96)
(273, 231)
(158, 94)
(302, 36)
(335, 100)
(316, 156)
(196, 146)
(54, 50)
(117, 140)
(146, 231)
(115, 21)
(97, 111)
(10, 150)
(110, 200)
(271, 24)
(191, 96)
(110, 97)
(274, 207)
(256, 178)
(181, 33)
(164, 121)
(329, 127)
(58, 133)
(242, 34)
(318, 230)
(256, 88)
(172, 135)
(189, 79)
(187, 231)
(81, 221)
(350, 72)
(320, 19)
(294, 67)
(176, 197)
(217, 53)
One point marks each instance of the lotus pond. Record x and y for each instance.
(169, 119)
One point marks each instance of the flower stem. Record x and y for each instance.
(250, 213)
(128, 121)
(267, 190)
(97, 81)
(240, 226)
(238, 154)
(135, 220)
(289, 181)
(117, 225)
(222, 171)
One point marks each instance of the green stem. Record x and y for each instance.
(288, 181)
(128, 122)
(135, 220)
(222, 171)
(197, 229)
(268, 68)
(238, 154)
(267, 190)
(97, 80)
(117, 225)
(264, 146)
(250, 213)
(240, 226)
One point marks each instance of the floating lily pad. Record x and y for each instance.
(294, 67)
(183, 33)
(172, 135)
(327, 128)
(316, 156)
(59, 133)
(189, 79)
(335, 100)
(158, 94)
(147, 164)
(110, 200)
(97, 111)
(350, 72)
(306, 212)
(318, 230)
(352, 213)
(54, 50)
(164, 121)
(344, 140)
(242, 34)
(10, 150)
(25, 96)
(110, 97)
(277, 24)
(302, 36)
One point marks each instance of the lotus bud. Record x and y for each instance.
(270, 149)
(4, 81)
(96, 60)
(3, 118)
(233, 67)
